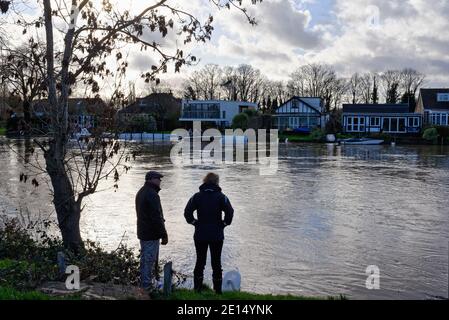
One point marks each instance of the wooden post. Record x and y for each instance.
(61, 263)
(168, 272)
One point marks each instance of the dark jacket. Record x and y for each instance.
(150, 219)
(210, 203)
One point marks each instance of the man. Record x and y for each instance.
(210, 203)
(150, 227)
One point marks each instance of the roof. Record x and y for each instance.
(218, 101)
(152, 102)
(376, 108)
(76, 106)
(303, 101)
(430, 101)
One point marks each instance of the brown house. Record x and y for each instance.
(164, 108)
(83, 113)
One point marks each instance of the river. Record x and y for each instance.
(311, 229)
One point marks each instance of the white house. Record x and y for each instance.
(380, 118)
(218, 112)
(434, 105)
(300, 114)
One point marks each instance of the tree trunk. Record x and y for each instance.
(27, 116)
(68, 210)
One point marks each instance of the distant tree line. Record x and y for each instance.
(246, 83)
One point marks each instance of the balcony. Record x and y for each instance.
(200, 115)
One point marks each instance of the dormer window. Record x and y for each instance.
(443, 97)
(294, 104)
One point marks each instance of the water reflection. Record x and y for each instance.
(312, 229)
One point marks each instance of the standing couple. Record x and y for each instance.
(209, 203)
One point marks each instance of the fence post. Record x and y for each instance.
(168, 273)
(61, 263)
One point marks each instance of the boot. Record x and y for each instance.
(197, 284)
(217, 285)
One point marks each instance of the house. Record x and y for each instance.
(216, 112)
(162, 107)
(83, 112)
(433, 104)
(380, 118)
(300, 114)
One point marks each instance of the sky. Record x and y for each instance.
(351, 35)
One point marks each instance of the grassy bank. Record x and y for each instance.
(27, 265)
(208, 294)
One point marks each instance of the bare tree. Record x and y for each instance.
(248, 80)
(318, 80)
(391, 81)
(22, 70)
(412, 80)
(100, 31)
(296, 85)
(229, 83)
(366, 87)
(354, 87)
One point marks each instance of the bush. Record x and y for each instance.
(250, 113)
(240, 121)
(317, 134)
(431, 134)
(25, 262)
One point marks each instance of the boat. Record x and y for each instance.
(303, 130)
(361, 141)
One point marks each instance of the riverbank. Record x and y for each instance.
(31, 270)
(10, 293)
(388, 139)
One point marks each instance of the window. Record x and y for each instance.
(393, 124)
(349, 124)
(362, 124)
(444, 119)
(375, 122)
(224, 114)
(386, 125)
(355, 124)
(443, 97)
(402, 127)
(413, 122)
(294, 104)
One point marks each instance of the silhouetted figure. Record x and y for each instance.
(210, 203)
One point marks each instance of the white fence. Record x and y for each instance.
(166, 137)
(146, 136)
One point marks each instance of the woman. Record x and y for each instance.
(210, 203)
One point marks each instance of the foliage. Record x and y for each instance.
(431, 134)
(317, 134)
(240, 121)
(250, 112)
(26, 262)
(9, 293)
